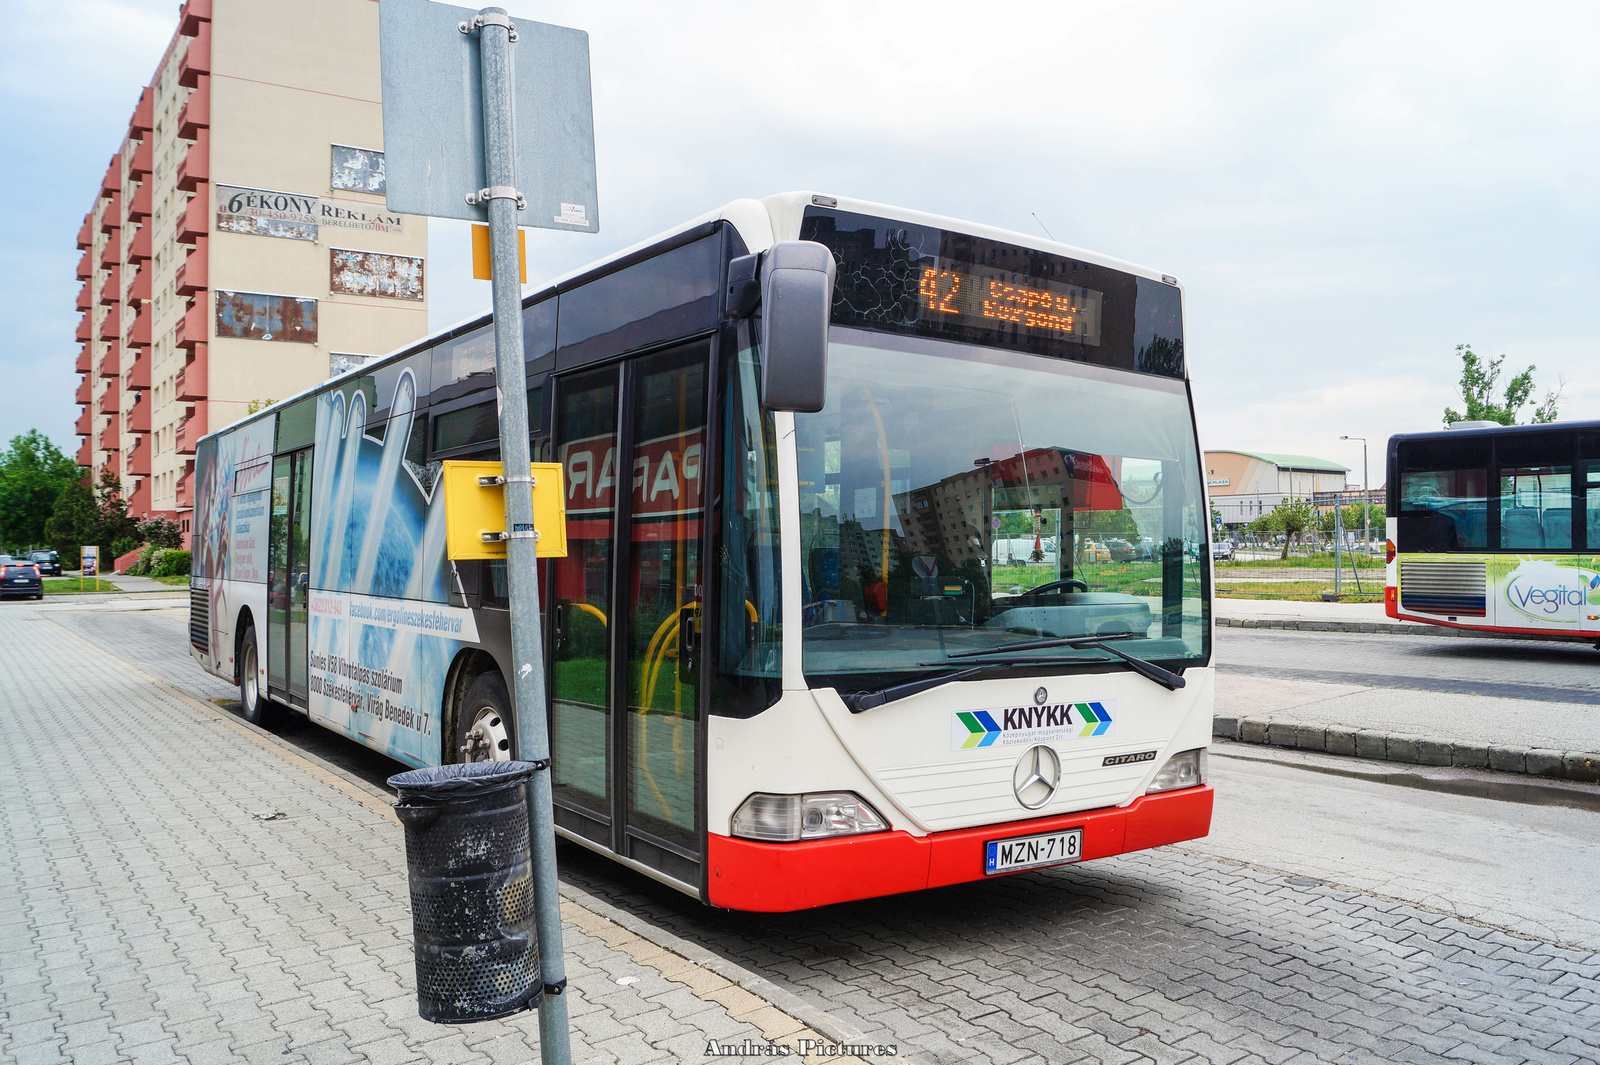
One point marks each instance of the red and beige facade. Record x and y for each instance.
(239, 249)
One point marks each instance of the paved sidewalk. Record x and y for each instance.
(153, 913)
(1287, 610)
(124, 583)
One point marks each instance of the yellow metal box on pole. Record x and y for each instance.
(475, 507)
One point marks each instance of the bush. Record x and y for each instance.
(171, 563)
(119, 547)
(161, 532)
(140, 566)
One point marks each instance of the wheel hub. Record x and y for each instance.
(488, 739)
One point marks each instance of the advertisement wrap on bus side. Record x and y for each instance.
(1554, 593)
(378, 657)
(1555, 590)
(361, 678)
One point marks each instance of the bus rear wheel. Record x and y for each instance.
(257, 708)
(486, 729)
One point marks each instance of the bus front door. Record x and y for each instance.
(288, 577)
(625, 674)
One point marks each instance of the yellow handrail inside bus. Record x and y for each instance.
(587, 609)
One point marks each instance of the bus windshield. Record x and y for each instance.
(957, 498)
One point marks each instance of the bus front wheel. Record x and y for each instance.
(258, 709)
(486, 721)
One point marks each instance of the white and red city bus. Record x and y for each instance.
(810, 656)
(1497, 528)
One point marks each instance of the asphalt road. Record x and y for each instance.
(1325, 919)
(1513, 669)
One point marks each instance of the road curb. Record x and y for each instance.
(1582, 767)
(1389, 628)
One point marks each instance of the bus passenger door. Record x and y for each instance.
(625, 609)
(663, 600)
(288, 577)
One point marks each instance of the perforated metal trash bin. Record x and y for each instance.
(470, 866)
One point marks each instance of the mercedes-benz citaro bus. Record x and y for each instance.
(837, 618)
(1497, 528)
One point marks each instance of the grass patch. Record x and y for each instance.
(180, 581)
(71, 585)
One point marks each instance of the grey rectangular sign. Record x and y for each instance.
(433, 117)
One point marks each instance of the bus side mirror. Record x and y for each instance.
(796, 302)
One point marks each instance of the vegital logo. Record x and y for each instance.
(1018, 725)
(1549, 592)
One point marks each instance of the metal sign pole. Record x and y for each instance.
(532, 729)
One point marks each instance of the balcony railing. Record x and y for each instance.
(191, 278)
(111, 325)
(111, 437)
(195, 221)
(195, 114)
(139, 459)
(191, 328)
(139, 163)
(111, 361)
(192, 428)
(111, 291)
(85, 391)
(85, 363)
(86, 265)
(112, 182)
(185, 490)
(191, 380)
(139, 248)
(137, 376)
(139, 204)
(111, 399)
(194, 169)
(85, 424)
(111, 217)
(197, 58)
(111, 251)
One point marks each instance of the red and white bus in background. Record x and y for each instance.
(1497, 527)
(796, 656)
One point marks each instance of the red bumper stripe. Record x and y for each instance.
(777, 877)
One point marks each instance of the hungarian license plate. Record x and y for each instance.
(1032, 852)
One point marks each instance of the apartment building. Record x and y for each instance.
(239, 249)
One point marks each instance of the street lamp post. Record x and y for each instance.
(1366, 493)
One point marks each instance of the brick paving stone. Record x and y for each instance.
(158, 921)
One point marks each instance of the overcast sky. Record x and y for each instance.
(1348, 191)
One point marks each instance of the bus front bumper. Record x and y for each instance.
(778, 877)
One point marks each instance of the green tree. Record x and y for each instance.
(1292, 517)
(1479, 377)
(74, 522)
(1352, 518)
(116, 527)
(33, 471)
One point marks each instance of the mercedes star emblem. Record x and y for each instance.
(1036, 777)
(1040, 697)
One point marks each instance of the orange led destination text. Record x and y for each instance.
(951, 292)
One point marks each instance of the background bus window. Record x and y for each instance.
(1444, 510)
(1536, 508)
(1592, 507)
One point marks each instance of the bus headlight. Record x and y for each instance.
(1183, 770)
(819, 815)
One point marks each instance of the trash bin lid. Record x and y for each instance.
(460, 781)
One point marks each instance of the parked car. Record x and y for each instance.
(49, 562)
(1222, 550)
(1121, 550)
(19, 577)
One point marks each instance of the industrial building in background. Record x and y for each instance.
(239, 249)
(1243, 485)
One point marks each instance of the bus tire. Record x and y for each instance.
(486, 722)
(257, 708)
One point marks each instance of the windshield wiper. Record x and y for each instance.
(1150, 671)
(859, 701)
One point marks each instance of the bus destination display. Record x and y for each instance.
(977, 295)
